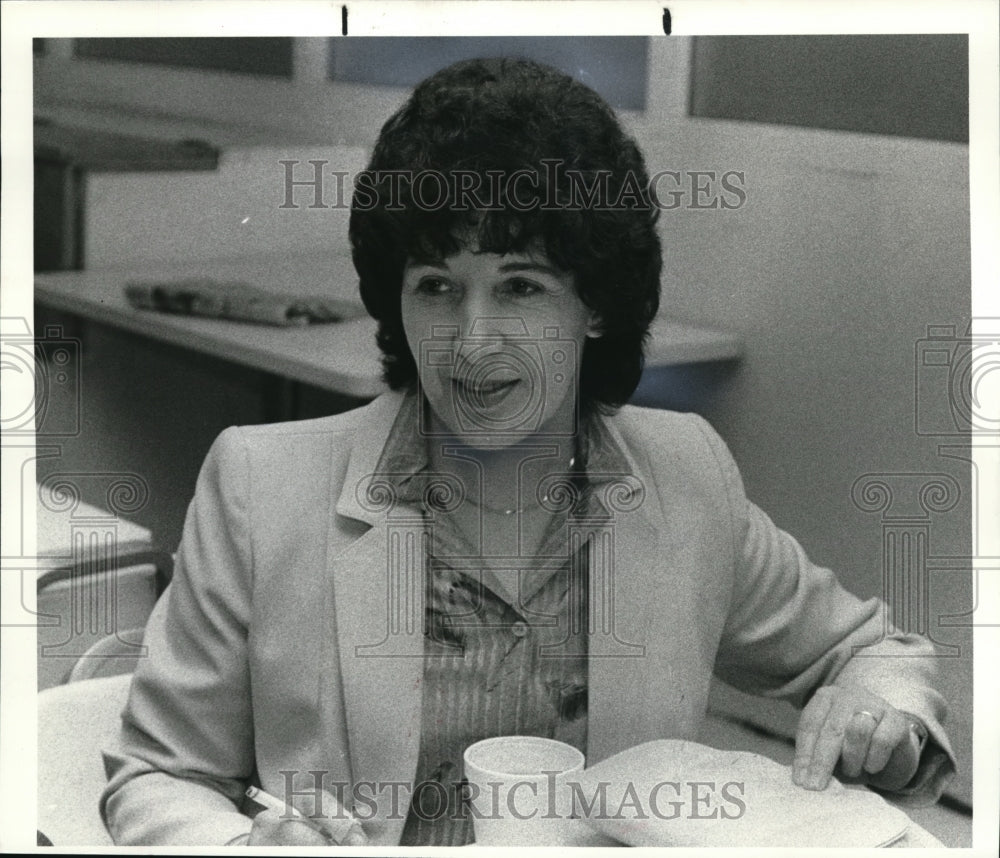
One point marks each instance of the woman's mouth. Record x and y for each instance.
(485, 394)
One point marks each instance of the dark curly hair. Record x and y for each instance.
(587, 205)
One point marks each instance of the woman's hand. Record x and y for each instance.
(274, 826)
(870, 739)
(270, 829)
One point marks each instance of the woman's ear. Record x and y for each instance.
(595, 330)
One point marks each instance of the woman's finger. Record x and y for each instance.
(269, 829)
(829, 745)
(858, 736)
(884, 741)
(896, 752)
(862, 732)
(810, 724)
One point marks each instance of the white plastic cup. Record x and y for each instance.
(518, 790)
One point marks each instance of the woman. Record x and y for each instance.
(497, 546)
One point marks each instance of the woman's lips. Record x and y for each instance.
(486, 394)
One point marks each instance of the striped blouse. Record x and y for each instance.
(505, 652)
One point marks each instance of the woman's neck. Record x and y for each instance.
(504, 477)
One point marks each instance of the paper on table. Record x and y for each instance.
(235, 300)
(678, 793)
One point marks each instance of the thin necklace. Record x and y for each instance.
(511, 510)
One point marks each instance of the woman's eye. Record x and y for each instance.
(433, 286)
(523, 288)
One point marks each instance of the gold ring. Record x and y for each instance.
(871, 715)
(919, 731)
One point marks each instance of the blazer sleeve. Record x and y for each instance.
(793, 628)
(185, 749)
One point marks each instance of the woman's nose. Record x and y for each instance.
(503, 327)
(482, 319)
(478, 315)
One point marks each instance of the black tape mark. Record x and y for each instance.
(343, 20)
(666, 20)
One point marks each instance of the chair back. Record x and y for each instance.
(82, 604)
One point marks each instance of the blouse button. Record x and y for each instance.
(520, 629)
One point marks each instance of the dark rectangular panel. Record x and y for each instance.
(615, 66)
(108, 151)
(265, 56)
(57, 237)
(907, 85)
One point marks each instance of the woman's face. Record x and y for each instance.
(498, 341)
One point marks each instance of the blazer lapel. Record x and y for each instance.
(640, 658)
(378, 587)
(622, 643)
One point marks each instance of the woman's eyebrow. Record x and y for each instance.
(440, 265)
(509, 267)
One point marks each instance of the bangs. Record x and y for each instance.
(433, 239)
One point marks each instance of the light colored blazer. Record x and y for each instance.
(254, 665)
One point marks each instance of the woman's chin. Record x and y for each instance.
(508, 435)
(505, 424)
(482, 434)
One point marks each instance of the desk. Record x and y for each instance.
(341, 358)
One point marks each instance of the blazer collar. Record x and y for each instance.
(360, 495)
(379, 450)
